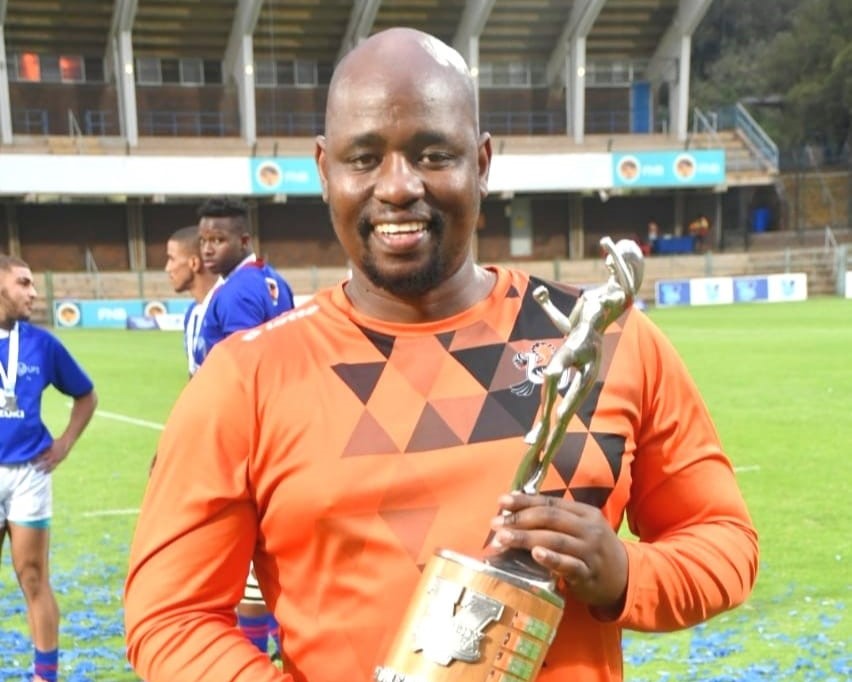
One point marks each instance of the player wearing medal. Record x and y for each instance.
(31, 359)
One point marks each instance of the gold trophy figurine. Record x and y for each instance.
(493, 619)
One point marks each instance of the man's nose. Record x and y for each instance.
(398, 183)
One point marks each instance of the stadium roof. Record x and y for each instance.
(322, 30)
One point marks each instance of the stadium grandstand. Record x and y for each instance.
(118, 117)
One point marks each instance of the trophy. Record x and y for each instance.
(492, 619)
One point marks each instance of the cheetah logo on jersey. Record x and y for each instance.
(533, 363)
(445, 633)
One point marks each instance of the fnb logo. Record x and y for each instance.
(115, 314)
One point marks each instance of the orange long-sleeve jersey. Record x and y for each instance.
(340, 451)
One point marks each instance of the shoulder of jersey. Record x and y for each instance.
(289, 322)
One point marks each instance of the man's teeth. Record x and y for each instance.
(400, 228)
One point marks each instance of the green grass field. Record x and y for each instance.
(777, 377)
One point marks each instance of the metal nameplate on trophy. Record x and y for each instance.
(492, 619)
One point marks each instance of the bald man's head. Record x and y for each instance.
(403, 55)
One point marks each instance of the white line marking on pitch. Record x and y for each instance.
(746, 469)
(128, 420)
(111, 512)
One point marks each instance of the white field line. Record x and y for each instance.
(111, 512)
(747, 469)
(129, 420)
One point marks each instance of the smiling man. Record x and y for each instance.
(31, 359)
(341, 444)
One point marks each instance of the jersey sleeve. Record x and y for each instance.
(66, 374)
(244, 306)
(697, 553)
(194, 539)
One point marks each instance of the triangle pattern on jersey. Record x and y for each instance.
(459, 414)
(420, 363)
(494, 423)
(480, 362)
(382, 342)
(474, 336)
(533, 322)
(567, 457)
(361, 378)
(432, 432)
(587, 408)
(523, 411)
(410, 527)
(612, 446)
(445, 339)
(369, 438)
(595, 497)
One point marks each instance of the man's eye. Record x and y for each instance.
(435, 158)
(363, 161)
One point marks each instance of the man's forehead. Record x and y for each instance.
(218, 224)
(21, 275)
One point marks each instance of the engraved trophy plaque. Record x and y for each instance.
(492, 619)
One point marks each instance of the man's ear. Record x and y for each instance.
(484, 160)
(195, 263)
(320, 158)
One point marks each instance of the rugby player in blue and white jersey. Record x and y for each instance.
(251, 292)
(187, 273)
(31, 359)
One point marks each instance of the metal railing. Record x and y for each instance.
(186, 123)
(706, 125)
(31, 121)
(92, 269)
(737, 118)
(290, 123)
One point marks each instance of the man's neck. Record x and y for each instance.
(7, 323)
(247, 258)
(201, 286)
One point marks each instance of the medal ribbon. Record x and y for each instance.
(10, 376)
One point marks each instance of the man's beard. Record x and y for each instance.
(12, 315)
(412, 284)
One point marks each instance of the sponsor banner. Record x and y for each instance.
(711, 290)
(201, 176)
(694, 168)
(788, 287)
(672, 292)
(109, 313)
(750, 289)
(285, 175)
(178, 306)
(721, 290)
(549, 172)
(121, 313)
(169, 322)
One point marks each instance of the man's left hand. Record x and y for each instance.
(573, 540)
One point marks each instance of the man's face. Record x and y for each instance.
(180, 265)
(224, 244)
(403, 173)
(17, 293)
